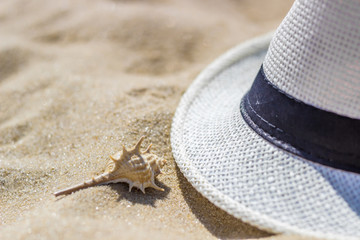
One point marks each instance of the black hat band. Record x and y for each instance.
(309, 132)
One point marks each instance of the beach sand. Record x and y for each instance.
(80, 78)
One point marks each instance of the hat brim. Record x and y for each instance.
(245, 175)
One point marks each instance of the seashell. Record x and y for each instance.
(134, 167)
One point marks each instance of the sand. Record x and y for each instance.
(80, 78)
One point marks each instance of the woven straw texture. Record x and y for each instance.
(244, 174)
(315, 55)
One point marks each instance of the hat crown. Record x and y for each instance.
(315, 55)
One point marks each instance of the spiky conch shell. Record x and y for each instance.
(134, 167)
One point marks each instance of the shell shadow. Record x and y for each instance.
(137, 197)
(219, 223)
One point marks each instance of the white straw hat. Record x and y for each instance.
(279, 148)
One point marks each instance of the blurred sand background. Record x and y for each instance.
(80, 78)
